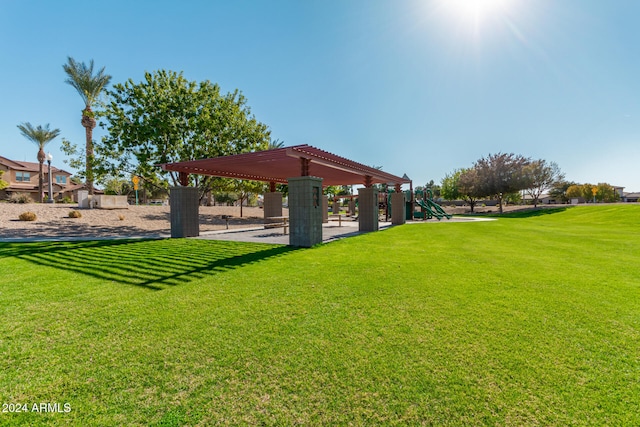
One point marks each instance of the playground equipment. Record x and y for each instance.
(424, 199)
(430, 209)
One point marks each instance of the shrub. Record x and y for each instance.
(20, 198)
(75, 214)
(27, 216)
(67, 200)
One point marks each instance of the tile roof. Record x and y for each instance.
(27, 166)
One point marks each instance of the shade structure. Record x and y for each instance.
(279, 164)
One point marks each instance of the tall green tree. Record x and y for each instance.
(559, 189)
(166, 118)
(470, 187)
(606, 193)
(244, 189)
(461, 185)
(575, 191)
(500, 174)
(449, 185)
(89, 86)
(542, 175)
(41, 136)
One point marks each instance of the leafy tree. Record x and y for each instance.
(574, 191)
(118, 186)
(77, 159)
(337, 190)
(449, 186)
(89, 86)
(436, 190)
(559, 189)
(606, 193)
(501, 174)
(40, 136)
(166, 118)
(469, 187)
(541, 176)
(244, 189)
(587, 192)
(513, 198)
(460, 185)
(3, 184)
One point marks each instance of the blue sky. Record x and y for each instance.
(421, 87)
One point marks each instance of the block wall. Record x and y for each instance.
(398, 209)
(305, 211)
(367, 209)
(184, 204)
(272, 206)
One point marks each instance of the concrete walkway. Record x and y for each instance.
(330, 231)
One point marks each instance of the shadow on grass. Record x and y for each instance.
(69, 228)
(151, 264)
(522, 213)
(531, 212)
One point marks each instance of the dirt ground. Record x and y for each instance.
(53, 220)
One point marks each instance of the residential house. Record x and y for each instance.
(631, 197)
(23, 178)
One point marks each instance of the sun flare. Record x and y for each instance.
(475, 11)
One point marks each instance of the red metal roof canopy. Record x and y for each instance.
(279, 164)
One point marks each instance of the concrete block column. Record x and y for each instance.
(272, 206)
(335, 208)
(305, 211)
(368, 209)
(184, 204)
(398, 209)
(325, 209)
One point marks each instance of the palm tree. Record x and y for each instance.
(275, 143)
(89, 86)
(40, 136)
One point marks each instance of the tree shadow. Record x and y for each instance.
(68, 228)
(532, 212)
(151, 264)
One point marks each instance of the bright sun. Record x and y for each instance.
(475, 11)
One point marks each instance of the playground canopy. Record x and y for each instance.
(279, 164)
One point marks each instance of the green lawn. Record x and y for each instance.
(527, 320)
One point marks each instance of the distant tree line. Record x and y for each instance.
(504, 176)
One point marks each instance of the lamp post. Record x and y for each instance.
(50, 199)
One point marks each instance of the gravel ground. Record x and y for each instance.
(136, 221)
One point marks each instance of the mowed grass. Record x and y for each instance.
(527, 320)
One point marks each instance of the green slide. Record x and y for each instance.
(433, 209)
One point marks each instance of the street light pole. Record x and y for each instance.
(50, 199)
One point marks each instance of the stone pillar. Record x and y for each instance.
(368, 209)
(305, 211)
(352, 207)
(398, 209)
(272, 206)
(335, 208)
(184, 205)
(325, 209)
